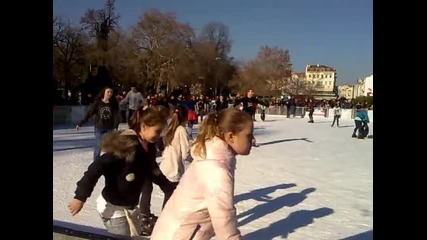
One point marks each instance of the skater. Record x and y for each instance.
(221, 103)
(249, 103)
(310, 108)
(133, 100)
(202, 204)
(166, 176)
(192, 115)
(361, 122)
(337, 114)
(201, 107)
(177, 150)
(263, 112)
(125, 166)
(107, 118)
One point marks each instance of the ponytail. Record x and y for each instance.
(217, 124)
(150, 116)
(208, 130)
(179, 117)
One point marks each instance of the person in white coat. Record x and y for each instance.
(337, 114)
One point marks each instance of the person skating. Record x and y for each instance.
(126, 165)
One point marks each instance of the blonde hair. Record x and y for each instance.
(217, 124)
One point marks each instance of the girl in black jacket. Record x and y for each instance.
(129, 159)
(107, 118)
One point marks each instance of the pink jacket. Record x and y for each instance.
(202, 204)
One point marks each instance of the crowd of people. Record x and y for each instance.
(197, 204)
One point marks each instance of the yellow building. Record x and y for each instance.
(346, 91)
(323, 79)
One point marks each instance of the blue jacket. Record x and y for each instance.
(362, 115)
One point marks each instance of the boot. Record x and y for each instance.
(147, 224)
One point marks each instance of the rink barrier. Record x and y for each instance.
(73, 114)
(68, 114)
(347, 114)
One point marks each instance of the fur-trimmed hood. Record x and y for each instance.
(120, 143)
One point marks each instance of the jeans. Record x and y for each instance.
(117, 226)
(165, 185)
(98, 136)
(358, 125)
(336, 118)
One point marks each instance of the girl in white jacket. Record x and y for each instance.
(176, 150)
(177, 146)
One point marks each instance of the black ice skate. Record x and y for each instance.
(147, 224)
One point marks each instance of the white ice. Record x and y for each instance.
(304, 181)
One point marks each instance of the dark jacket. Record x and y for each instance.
(125, 166)
(106, 115)
(249, 104)
(221, 105)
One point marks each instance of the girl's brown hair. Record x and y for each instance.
(179, 118)
(150, 116)
(217, 124)
(164, 110)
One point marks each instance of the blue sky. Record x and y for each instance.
(337, 33)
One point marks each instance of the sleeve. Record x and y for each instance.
(237, 102)
(124, 101)
(257, 100)
(90, 112)
(141, 99)
(87, 183)
(184, 141)
(220, 205)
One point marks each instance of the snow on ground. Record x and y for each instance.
(304, 181)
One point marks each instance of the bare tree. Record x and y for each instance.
(215, 68)
(249, 76)
(270, 70)
(68, 51)
(57, 28)
(217, 34)
(100, 23)
(161, 44)
(121, 59)
(275, 66)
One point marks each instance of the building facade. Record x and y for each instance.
(363, 88)
(346, 91)
(323, 79)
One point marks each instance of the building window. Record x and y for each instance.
(321, 76)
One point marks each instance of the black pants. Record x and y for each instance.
(165, 185)
(358, 125)
(130, 114)
(337, 118)
(123, 115)
(310, 116)
(251, 112)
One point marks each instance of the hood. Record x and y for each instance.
(217, 150)
(121, 143)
